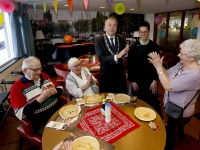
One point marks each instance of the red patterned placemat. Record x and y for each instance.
(120, 125)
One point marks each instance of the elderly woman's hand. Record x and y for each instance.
(155, 60)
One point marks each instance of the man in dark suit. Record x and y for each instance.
(110, 49)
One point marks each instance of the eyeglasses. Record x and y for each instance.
(36, 70)
(182, 54)
(143, 32)
(79, 65)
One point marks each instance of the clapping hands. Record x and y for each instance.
(47, 91)
(123, 52)
(155, 59)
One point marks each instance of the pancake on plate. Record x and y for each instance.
(85, 143)
(145, 114)
(121, 98)
(93, 98)
(69, 111)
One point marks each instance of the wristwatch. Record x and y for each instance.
(161, 72)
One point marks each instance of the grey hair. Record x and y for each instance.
(72, 61)
(111, 18)
(27, 61)
(192, 48)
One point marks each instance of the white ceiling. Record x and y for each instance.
(140, 6)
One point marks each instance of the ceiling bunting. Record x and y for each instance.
(187, 13)
(55, 5)
(23, 14)
(7, 6)
(109, 1)
(85, 3)
(23, 10)
(34, 6)
(119, 8)
(44, 4)
(199, 15)
(26, 8)
(70, 4)
(193, 13)
(1, 19)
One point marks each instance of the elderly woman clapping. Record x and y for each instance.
(181, 83)
(80, 81)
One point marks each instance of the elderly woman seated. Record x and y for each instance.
(80, 81)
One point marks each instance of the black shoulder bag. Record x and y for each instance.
(175, 111)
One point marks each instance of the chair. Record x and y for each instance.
(83, 56)
(96, 75)
(69, 96)
(62, 71)
(166, 59)
(188, 143)
(25, 131)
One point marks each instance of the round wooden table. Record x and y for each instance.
(143, 138)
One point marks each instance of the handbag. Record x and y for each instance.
(175, 111)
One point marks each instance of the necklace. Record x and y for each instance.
(104, 35)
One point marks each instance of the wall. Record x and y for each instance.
(63, 15)
(150, 19)
(198, 33)
(7, 76)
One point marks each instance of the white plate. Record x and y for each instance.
(67, 108)
(124, 96)
(145, 114)
(84, 142)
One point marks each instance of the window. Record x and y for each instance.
(6, 48)
(175, 28)
(174, 31)
(161, 32)
(191, 24)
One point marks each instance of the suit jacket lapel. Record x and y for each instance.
(108, 40)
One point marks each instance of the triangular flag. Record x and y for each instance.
(55, 5)
(85, 3)
(199, 15)
(23, 14)
(187, 13)
(109, 1)
(26, 8)
(193, 13)
(70, 4)
(44, 4)
(34, 6)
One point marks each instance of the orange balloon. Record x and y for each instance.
(67, 38)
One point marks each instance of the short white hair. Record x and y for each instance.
(192, 48)
(72, 61)
(27, 61)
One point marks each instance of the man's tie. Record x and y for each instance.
(113, 46)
